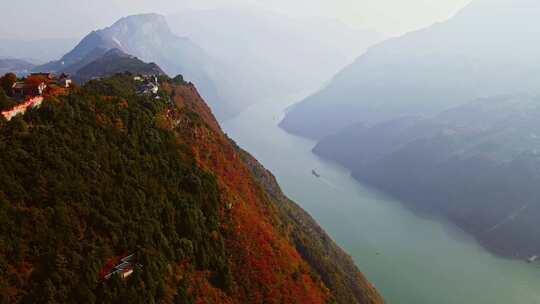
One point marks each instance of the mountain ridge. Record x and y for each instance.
(267, 55)
(148, 37)
(430, 70)
(14, 65)
(115, 61)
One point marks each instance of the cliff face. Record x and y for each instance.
(116, 173)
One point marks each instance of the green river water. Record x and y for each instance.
(410, 259)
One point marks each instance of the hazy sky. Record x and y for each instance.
(75, 18)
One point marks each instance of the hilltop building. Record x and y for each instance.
(121, 265)
(30, 92)
(44, 75)
(149, 84)
(23, 89)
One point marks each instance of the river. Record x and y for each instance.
(410, 259)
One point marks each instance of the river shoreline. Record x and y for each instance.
(409, 258)
(433, 215)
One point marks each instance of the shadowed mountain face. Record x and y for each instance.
(431, 70)
(477, 164)
(268, 55)
(116, 61)
(149, 38)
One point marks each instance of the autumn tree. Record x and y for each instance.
(36, 80)
(7, 81)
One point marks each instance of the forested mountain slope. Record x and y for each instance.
(104, 172)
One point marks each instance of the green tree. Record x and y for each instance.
(99, 192)
(182, 294)
(5, 101)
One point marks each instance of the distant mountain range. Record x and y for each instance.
(477, 164)
(236, 56)
(14, 65)
(35, 51)
(268, 55)
(149, 38)
(487, 49)
(445, 119)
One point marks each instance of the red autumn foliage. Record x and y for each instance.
(36, 80)
(266, 264)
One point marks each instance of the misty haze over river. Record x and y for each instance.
(410, 259)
